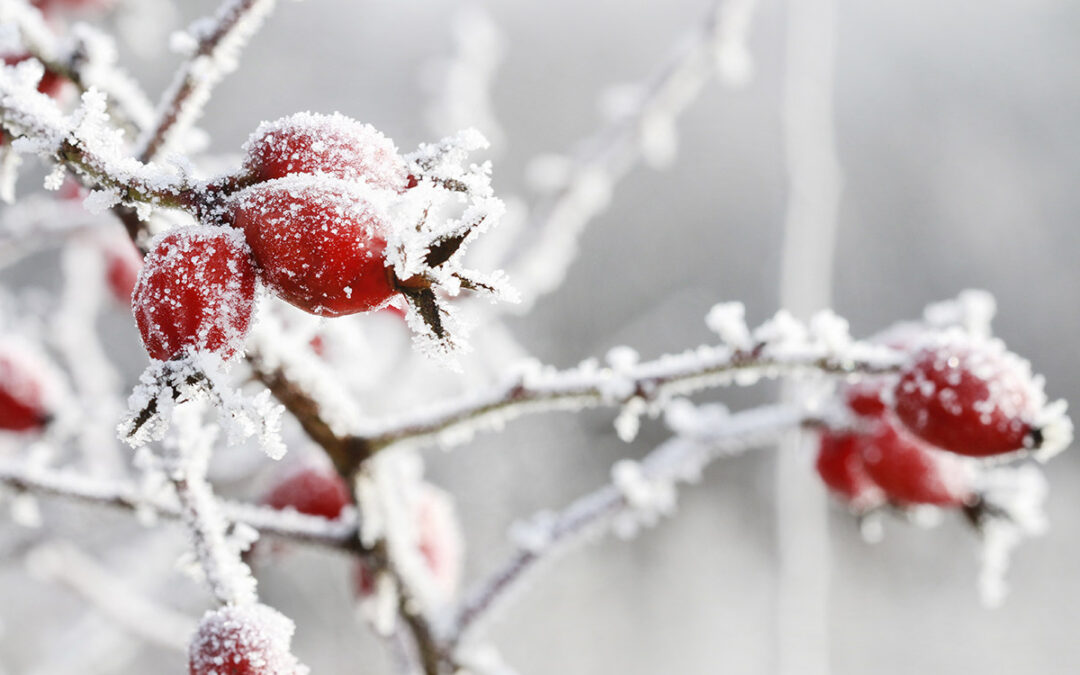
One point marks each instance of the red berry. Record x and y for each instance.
(196, 291)
(320, 247)
(315, 492)
(22, 405)
(122, 266)
(335, 145)
(970, 396)
(910, 471)
(243, 640)
(840, 465)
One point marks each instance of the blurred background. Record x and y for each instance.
(957, 135)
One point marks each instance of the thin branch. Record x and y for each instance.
(556, 223)
(679, 460)
(213, 55)
(454, 422)
(285, 525)
(87, 60)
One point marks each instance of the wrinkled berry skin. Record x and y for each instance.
(333, 145)
(911, 472)
(196, 291)
(243, 640)
(968, 396)
(312, 491)
(320, 247)
(840, 466)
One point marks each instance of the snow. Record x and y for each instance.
(254, 635)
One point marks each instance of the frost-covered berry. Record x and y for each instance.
(312, 491)
(970, 396)
(243, 640)
(910, 471)
(196, 291)
(122, 266)
(840, 466)
(22, 395)
(321, 247)
(335, 145)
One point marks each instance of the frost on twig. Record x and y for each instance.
(211, 47)
(84, 141)
(85, 55)
(217, 544)
(1009, 510)
(462, 84)
(641, 492)
(449, 204)
(781, 347)
(643, 127)
(199, 376)
(150, 500)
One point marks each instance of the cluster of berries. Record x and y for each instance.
(310, 225)
(918, 438)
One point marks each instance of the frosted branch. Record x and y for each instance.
(212, 46)
(285, 525)
(83, 142)
(643, 129)
(783, 348)
(619, 505)
(87, 58)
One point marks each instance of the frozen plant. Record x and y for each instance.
(270, 297)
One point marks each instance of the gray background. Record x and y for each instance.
(957, 136)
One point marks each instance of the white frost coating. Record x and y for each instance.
(200, 376)
(462, 83)
(645, 490)
(417, 523)
(645, 130)
(786, 349)
(728, 320)
(971, 310)
(218, 551)
(157, 499)
(219, 42)
(9, 173)
(1015, 497)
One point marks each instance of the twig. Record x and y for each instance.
(212, 57)
(88, 62)
(556, 223)
(291, 526)
(680, 459)
(454, 422)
